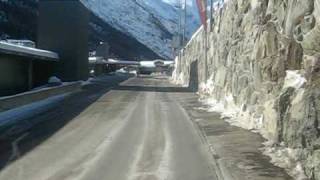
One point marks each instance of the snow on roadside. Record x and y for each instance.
(281, 155)
(178, 78)
(122, 72)
(286, 158)
(87, 82)
(236, 115)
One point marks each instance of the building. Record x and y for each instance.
(97, 66)
(103, 50)
(63, 28)
(23, 68)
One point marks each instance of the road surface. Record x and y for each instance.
(136, 131)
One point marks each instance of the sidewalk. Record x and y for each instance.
(235, 150)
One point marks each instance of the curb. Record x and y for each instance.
(220, 171)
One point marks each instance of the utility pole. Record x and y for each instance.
(211, 15)
(180, 24)
(184, 23)
(179, 36)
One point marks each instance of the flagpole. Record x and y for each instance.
(211, 14)
(180, 23)
(180, 32)
(206, 53)
(206, 43)
(202, 6)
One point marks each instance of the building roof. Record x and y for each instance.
(101, 60)
(97, 60)
(155, 63)
(18, 50)
(122, 62)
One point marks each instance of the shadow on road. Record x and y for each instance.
(51, 121)
(154, 89)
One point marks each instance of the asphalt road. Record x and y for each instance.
(136, 131)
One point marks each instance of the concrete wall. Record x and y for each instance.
(10, 102)
(263, 66)
(63, 28)
(14, 76)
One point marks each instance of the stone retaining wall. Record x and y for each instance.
(264, 63)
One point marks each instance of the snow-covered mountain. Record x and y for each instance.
(151, 22)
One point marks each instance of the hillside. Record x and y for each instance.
(134, 28)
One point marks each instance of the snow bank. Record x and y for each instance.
(240, 115)
(263, 123)
(286, 158)
(178, 78)
(87, 82)
(181, 80)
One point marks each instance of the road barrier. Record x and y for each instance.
(11, 102)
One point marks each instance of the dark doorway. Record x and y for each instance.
(194, 77)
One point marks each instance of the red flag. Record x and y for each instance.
(202, 6)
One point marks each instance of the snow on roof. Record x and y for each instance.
(123, 62)
(97, 60)
(126, 62)
(152, 63)
(27, 51)
(147, 63)
(93, 59)
(101, 60)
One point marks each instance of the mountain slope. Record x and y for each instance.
(135, 29)
(151, 22)
(17, 19)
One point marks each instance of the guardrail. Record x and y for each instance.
(11, 102)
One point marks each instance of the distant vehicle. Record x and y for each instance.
(146, 70)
